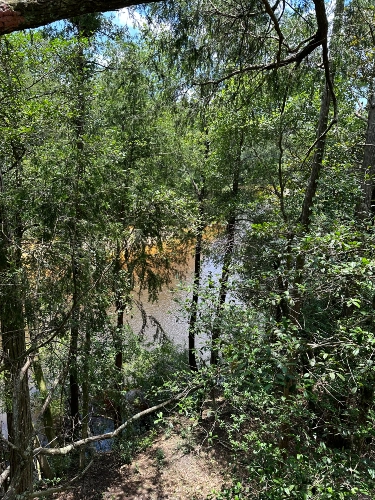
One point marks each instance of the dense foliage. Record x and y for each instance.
(216, 129)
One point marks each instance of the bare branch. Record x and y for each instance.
(4, 475)
(109, 435)
(296, 58)
(8, 443)
(271, 13)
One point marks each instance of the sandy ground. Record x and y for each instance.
(174, 467)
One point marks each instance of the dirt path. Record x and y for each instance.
(172, 468)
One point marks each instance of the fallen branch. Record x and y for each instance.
(109, 435)
(65, 487)
(4, 475)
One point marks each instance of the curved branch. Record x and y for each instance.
(109, 435)
(296, 58)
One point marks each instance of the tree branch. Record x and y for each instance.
(296, 58)
(276, 25)
(4, 475)
(109, 435)
(8, 443)
(17, 15)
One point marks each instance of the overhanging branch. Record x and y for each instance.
(17, 15)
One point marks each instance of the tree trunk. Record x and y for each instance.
(20, 431)
(79, 123)
(42, 388)
(196, 283)
(366, 208)
(223, 290)
(317, 164)
(306, 212)
(73, 354)
(119, 357)
(228, 257)
(85, 393)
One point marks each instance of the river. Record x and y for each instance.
(166, 312)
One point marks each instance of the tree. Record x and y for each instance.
(22, 131)
(16, 15)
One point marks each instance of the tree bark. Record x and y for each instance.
(13, 340)
(367, 207)
(76, 244)
(196, 283)
(16, 15)
(228, 256)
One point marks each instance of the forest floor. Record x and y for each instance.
(179, 464)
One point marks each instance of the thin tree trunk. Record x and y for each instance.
(118, 335)
(119, 357)
(196, 284)
(201, 194)
(85, 393)
(317, 164)
(47, 414)
(79, 124)
(73, 354)
(308, 203)
(366, 209)
(223, 290)
(228, 257)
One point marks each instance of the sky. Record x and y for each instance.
(130, 18)
(125, 17)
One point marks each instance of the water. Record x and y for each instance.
(165, 313)
(101, 425)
